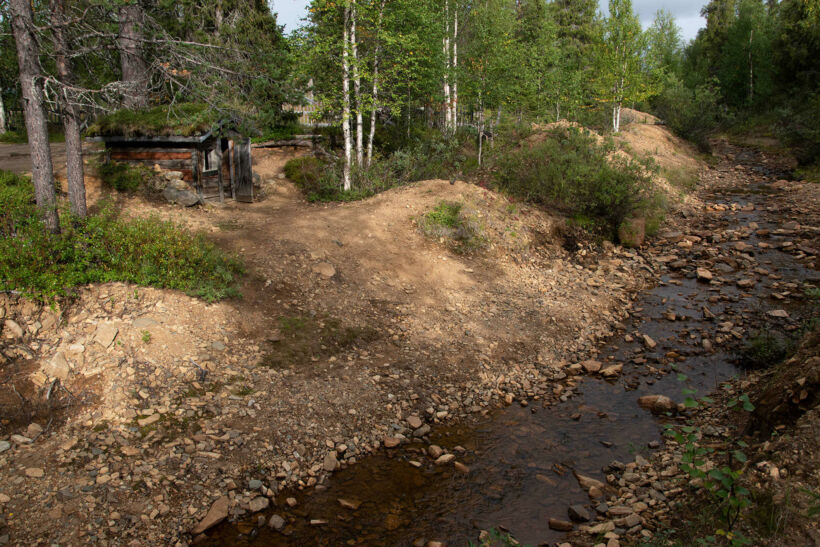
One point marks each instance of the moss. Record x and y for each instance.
(185, 120)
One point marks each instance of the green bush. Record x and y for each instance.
(449, 221)
(692, 114)
(103, 248)
(124, 177)
(571, 171)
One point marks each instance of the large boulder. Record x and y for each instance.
(186, 198)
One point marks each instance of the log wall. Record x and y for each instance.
(169, 159)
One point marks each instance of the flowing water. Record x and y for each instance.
(521, 458)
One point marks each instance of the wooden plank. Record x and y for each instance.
(121, 154)
(232, 167)
(244, 182)
(219, 168)
(196, 171)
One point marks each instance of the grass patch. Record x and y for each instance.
(449, 222)
(569, 170)
(103, 248)
(185, 120)
(307, 338)
(21, 137)
(810, 173)
(682, 179)
(124, 177)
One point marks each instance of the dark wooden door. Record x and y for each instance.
(244, 171)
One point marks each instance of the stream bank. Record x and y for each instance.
(744, 266)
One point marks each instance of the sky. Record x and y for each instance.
(686, 12)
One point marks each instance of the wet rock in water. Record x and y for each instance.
(276, 522)
(657, 404)
(445, 458)
(780, 314)
(414, 422)
(578, 513)
(591, 366)
(745, 283)
(434, 451)
(422, 431)
(612, 371)
(259, 503)
(349, 504)
(561, 525)
(649, 342)
(704, 274)
(461, 468)
(291, 502)
(588, 482)
(216, 514)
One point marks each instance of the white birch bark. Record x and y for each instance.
(454, 115)
(374, 106)
(447, 65)
(357, 88)
(2, 116)
(346, 99)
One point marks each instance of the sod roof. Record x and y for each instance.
(179, 120)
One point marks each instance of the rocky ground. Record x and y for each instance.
(134, 416)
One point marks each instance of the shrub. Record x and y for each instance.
(568, 169)
(691, 113)
(103, 248)
(123, 177)
(449, 221)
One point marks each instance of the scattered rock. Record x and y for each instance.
(259, 503)
(105, 334)
(12, 330)
(561, 525)
(391, 442)
(57, 367)
(349, 504)
(588, 482)
(414, 422)
(216, 514)
(591, 366)
(35, 472)
(324, 269)
(186, 198)
(276, 522)
(780, 314)
(330, 463)
(612, 371)
(704, 274)
(579, 513)
(461, 468)
(657, 404)
(649, 342)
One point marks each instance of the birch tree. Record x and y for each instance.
(31, 84)
(346, 97)
(621, 53)
(375, 93)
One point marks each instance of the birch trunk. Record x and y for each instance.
(31, 84)
(134, 70)
(357, 90)
(2, 115)
(375, 104)
(480, 128)
(454, 115)
(71, 122)
(346, 99)
(616, 117)
(446, 47)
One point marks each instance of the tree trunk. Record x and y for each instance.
(375, 104)
(346, 99)
(31, 84)
(454, 115)
(616, 117)
(2, 115)
(480, 128)
(446, 47)
(218, 16)
(134, 70)
(357, 89)
(71, 122)
(751, 69)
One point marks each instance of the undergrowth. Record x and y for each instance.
(103, 248)
(450, 223)
(569, 170)
(122, 176)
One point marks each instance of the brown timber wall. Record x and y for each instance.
(169, 159)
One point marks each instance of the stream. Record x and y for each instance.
(521, 458)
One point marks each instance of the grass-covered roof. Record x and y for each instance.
(179, 120)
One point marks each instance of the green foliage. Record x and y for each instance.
(765, 349)
(21, 137)
(146, 337)
(184, 120)
(691, 113)
(103, 248)
(717, 472)
(123, 176)
(449, 221)
(570, 170)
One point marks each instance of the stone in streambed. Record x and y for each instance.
(561, 525)
(216, 514)
(657, 404)
(578, 513)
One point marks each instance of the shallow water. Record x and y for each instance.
(521, 459)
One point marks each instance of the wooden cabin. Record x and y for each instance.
(216, 163)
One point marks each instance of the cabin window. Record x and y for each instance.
(210, 161)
